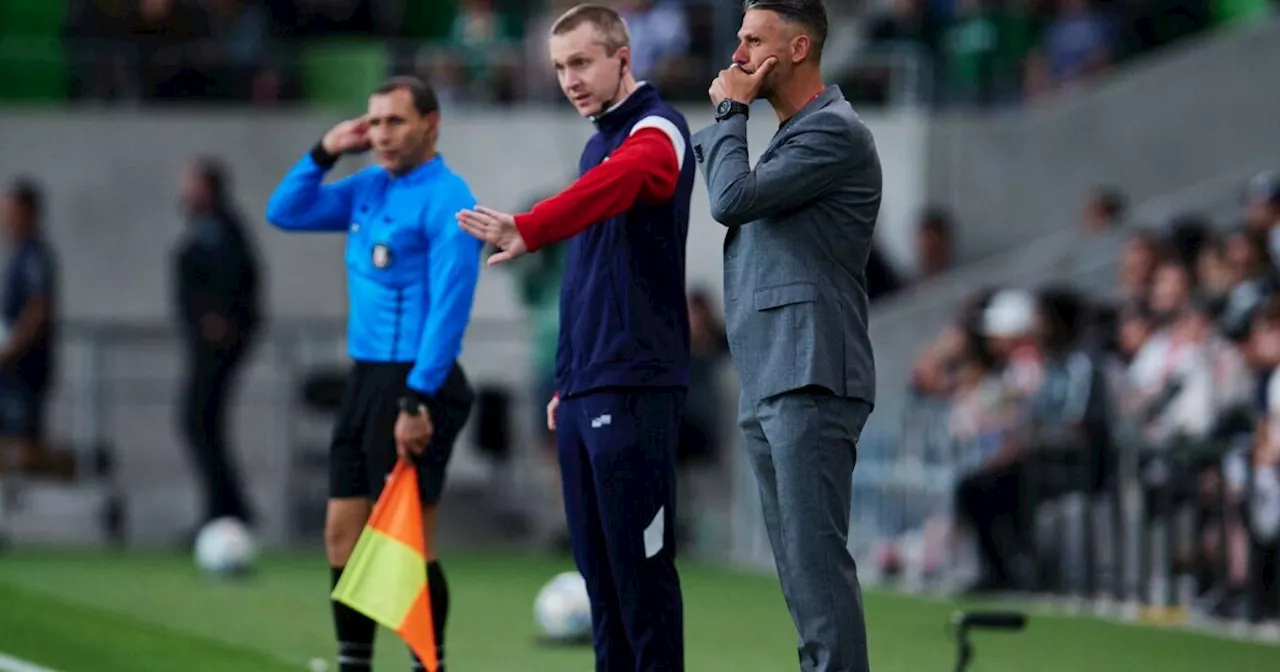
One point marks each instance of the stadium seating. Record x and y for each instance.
(32, 64)
(340, 73)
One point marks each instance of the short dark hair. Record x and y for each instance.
(424, 97)
(28, 195)
(936, 220)
(1111, 200)
(811, 14)
(215, 176)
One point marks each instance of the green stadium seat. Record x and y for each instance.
(340, 73)
(32, 18)
(32, 70)
(1236, 11)
(428, 20)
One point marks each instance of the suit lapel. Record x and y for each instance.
(829, 95)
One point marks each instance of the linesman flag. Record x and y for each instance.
(386, 577)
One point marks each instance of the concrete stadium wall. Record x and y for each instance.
(1186, 116)
(112, 179)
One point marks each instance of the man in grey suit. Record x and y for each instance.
(799, 231)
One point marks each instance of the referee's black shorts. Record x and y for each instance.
(363, 450)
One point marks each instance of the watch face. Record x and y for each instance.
(724, 107)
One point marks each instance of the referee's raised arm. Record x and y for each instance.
(411, 279)
(302, 202)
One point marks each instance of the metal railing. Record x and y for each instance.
(1121, 545)
(116, 397)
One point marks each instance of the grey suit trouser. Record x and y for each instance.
(803, 446)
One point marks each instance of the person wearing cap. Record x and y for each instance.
(412, 275)
(1262, 201)
(1009, 325)
(1262, 208)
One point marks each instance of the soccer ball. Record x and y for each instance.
(562, 609)
(225, 548)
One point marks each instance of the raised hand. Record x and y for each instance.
(351, 135)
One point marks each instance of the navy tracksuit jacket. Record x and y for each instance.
(622, 367)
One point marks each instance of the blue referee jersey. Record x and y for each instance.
(411, 271)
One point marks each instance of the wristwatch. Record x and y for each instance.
(412, 404)
(727, 108)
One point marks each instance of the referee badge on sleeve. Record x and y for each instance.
(381, 256)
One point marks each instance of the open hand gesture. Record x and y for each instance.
(496, 228)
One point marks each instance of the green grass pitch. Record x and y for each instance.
(153, 613)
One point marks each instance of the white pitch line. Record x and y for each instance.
(11, 664)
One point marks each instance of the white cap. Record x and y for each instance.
(1011, 313)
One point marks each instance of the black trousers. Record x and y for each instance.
(211, 372)
(991, 503)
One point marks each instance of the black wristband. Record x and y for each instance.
(322, 157)
(412, 402)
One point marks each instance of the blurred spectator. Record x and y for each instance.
(165, 31)
(700, 439)
(659, 41)
(1137, 266)
(217, 296)
(1105, 211)
(28, 329)
(935, 243)
(882, 278)
(1213, 275)
(982, 51)
(537, 278)
(1262, 207)
(1153, 24)
(908, 23)
(483, 38)
(538, 289)
(1252, 280)
(332, 17)
(1009, 326)
(238, 57)
(1170, 291)
(988, 498)
(1078, 42)
(1186, 383)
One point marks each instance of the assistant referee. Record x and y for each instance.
(411, 276)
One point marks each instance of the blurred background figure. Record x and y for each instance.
(28, 332)
(217, 292)
(699, 456)
(537, 280)
(660, 41)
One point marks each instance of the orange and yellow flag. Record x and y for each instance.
(386, 577)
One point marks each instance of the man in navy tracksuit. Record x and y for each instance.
(622, 365)
(411, 278)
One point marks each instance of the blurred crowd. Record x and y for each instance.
(254, 50)
(1176, 373)
(1001, 52)
(493, 51)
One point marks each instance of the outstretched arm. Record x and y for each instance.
(645, 168)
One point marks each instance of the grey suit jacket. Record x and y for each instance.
(795, 254)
